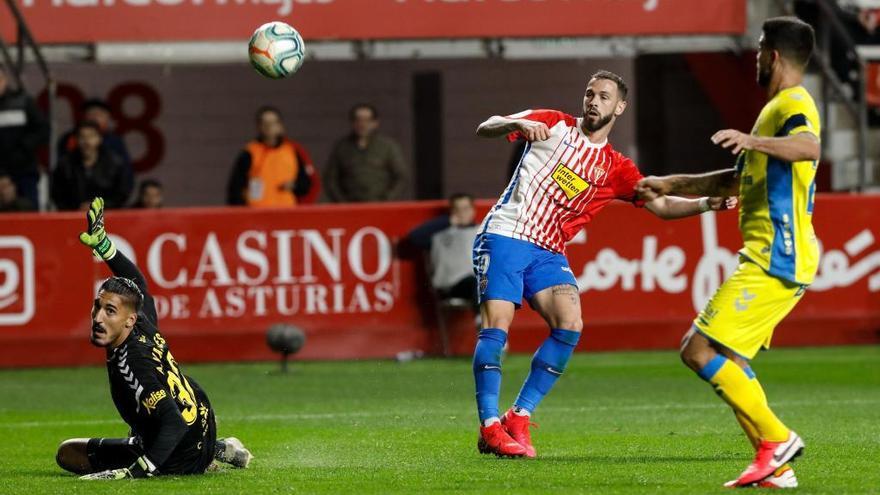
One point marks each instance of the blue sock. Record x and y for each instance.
(487, 370)
(547, 366)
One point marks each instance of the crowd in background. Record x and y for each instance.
(272, 170)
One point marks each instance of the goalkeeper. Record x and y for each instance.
(171, 420)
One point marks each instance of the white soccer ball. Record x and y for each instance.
(276, 50)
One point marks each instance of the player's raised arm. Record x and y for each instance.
(96, 238)
(720, 183)
(497, 126)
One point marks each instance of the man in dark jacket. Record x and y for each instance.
(91, 171)
(23, 128)
(98, 111)
(365, 165)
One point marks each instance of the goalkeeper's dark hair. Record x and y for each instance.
(126, 289)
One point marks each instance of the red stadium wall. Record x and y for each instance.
(222, 276)
(175, 20)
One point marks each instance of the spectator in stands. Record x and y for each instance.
(273, 170)
(365, 165)
(23, 129)
(96, 110)
(90, 171)
(450, 241)
(150, 195)
(10, 201)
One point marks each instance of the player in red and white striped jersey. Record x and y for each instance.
(567, 174)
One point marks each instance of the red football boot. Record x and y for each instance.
(518, 428)
(494, 440)
(770, 457)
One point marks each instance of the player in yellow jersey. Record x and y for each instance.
(774, 177)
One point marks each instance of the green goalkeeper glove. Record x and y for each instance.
(110, 474)
(142, 468)
(96, 237)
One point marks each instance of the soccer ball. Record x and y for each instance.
(276, 50)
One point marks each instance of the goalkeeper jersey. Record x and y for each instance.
(164, 408)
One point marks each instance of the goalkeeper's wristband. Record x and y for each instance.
(704, 205)
(142, 468)
(105, 249)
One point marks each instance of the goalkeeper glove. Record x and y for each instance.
(110, 474)
(96, 237)
(142, 468)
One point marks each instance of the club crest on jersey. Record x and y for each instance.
(571, 183)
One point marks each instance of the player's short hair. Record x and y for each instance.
(622, 88)
(268, 109)
(791, 37)
(126, 289)
(88, 124)
(149, 183)
(95, 103)
(459, 195)
(353, 111)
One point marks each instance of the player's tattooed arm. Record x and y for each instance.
(497, 126)
(719, 183)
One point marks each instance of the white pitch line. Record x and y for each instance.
(364, 414)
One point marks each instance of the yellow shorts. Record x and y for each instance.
(746, 308)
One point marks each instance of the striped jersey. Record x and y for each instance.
(560, 184)
(776, 197)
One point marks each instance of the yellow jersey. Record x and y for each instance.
(776, 197)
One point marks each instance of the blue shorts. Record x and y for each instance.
(510, 269)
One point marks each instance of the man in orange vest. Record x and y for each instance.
(272, 170)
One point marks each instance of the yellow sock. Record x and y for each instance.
(748, 428)
(745, 395)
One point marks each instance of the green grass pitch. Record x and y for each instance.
(616, 423)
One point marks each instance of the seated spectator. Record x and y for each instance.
(92, 170)
(10, 201)
(273, 170)
(23, 129)
(150, 195)
(365, 165)
(450, 241)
